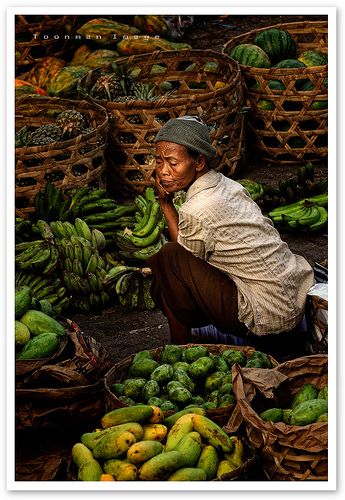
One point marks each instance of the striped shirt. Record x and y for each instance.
(221, 224)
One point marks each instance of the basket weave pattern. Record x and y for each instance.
(293, 130)
(35, 38)
(73, 163)
(134, 124)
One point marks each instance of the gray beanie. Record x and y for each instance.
(188, 131)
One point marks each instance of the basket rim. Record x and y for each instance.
(59, 144)
(253, 69)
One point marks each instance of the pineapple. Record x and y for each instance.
(108, 87)
(45, 134)
(21, 137)
(71, 122)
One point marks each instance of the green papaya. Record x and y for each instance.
(233, 356)
(181, 365)
(22, 300)
(143, 368)
(133, 387)
(219, 363)
(41, 346)
(322, 418)
(171, 354)
(150, 390)
(225, 400)
(193, 353)
(272, 415)
(305, 393)
(162, 374)
(38, 322)
(139, 356)
(214, 381)
(323, 393)
(308, 411)
(178, 393)
(201, 367)
(263, 359)
(117, 389)
(22, 334)
(182, 377)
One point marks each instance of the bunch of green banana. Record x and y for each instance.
(83, 266)
(44, 289)
(23, 230)
(131, 286)
(38, 255)
(309, 214)
(50, 204)
(255, 189)
(145, 239)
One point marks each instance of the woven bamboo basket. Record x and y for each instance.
(294, 129)
(134, 124)
(68, 164)
(317, 314)
(286, 452)
(37, 37)
(119, 372)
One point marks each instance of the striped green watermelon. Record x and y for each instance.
(290, 63)
(313, 58)
(265, 103)
(278, 44)
(316, 104)
(249, 54)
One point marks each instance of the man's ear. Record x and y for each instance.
(200, 163)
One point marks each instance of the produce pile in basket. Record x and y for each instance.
(285, 80)
(137, 443)
(175, 378)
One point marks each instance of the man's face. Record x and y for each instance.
(175, 168)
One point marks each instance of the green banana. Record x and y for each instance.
(78, 253)
(115, 272)
(96, 206)
(48, 290)
(98, 239)
(151, 238)
(140, 204)
(311, 217)
(322, 221)
(145, 217)
(95, 286)
(149, 194)
(149, 303)
(95, 301)
(143, 253)
(134, 293)
(19, 247)
(67, 280)
(36, 262)
(82, 228)
(101, 274)
(79, 195)
(294, 215)
(44, 229)
(60, 305)
(122, 284)
(70, 229)
(77, 268)
(87, 252)
(37, 286)
(105, 297)
(53, 262)
(92, 264)
(68, 264)
(80, 285)
(90, 197)
(29, 252)
(152, 221)
(123, 241)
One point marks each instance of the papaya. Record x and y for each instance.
(90, 471)
(133, 387)
(226, 400)
(323, 393)
(238, 453)
(155, 401)
(182, 377)
(190, 448)
(41, 346)
(201, 367)
(181, 365)
(172, 419)
(208, 461)
(214, 381)
(23, 87)
(64, 83)
(189, 474)
(193, 353)
(178, 393)
(182, 427)
(46, 69)
(143, 368)
(38, 322)
(171, 354)
(152, 25)
(322, 418)
(121, 469)
(151, 389)
(107, 477)
(162, 374)
(138, 413)
(305, 393)
(142, 451)
(80, 55)
(233, 356)
(154, 432)
(272, 415)
(81, 454)
(157, 415)
(308, 411)
(100, 57)
(219, 363)
(142, 45)
(90, 439)
(169, 405)
(105, 31)
(22, 334)
(116, 388)
(22, 300)
(139, 356)
(225, 467)
(113, 444)
(161, 466)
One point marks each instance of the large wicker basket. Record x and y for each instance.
(134, 124)
(37, 37)
(287, 452)
(119, 372)
(69, 164)
(296, 128)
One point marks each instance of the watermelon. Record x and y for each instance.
(313, 58)
(249, 54)
(316, 104)
(264, 103)
(278, 44)
(290, 63)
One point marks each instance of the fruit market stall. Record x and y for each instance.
(93, 353)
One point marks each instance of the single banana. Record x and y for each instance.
(78, 253)
(77, 267)
(144, 218)
(93, 282)
(69, 229)
(115, 272)
(123, 282)
(92, 264)
(98, 239)
(322, 221)
(53, 263)
(154, 218)
(68, 264)
(87, 253)
(44, 229)
(151, 238)
(82, 228)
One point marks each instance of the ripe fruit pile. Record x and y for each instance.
(184, 377)
(308, 406)
(139, 444)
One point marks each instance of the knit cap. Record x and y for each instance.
(188, 131)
